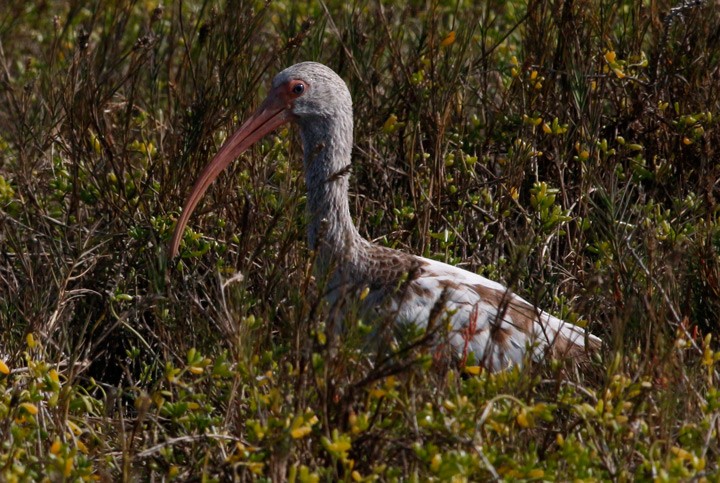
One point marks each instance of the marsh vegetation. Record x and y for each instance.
(566, 149)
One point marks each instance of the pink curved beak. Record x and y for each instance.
(273, 112)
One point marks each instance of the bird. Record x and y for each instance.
(488, 325)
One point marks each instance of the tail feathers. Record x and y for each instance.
(566, 340)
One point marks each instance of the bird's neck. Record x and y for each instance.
(327, 146)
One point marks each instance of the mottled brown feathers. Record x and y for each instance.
(387, 267)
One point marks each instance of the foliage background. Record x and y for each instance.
(566, 148)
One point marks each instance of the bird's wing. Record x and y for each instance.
(487, 323)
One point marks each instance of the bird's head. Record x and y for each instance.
(303, 93)
(311, 92)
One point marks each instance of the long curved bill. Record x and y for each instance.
(273, 112)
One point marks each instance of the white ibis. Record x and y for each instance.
(486, 322)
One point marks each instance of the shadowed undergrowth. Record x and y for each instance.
(566, 149)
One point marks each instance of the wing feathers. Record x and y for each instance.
(489, 323)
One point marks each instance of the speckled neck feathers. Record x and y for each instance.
(327, 138)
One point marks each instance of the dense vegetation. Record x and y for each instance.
(569, 149)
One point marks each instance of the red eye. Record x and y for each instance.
(298, 88)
